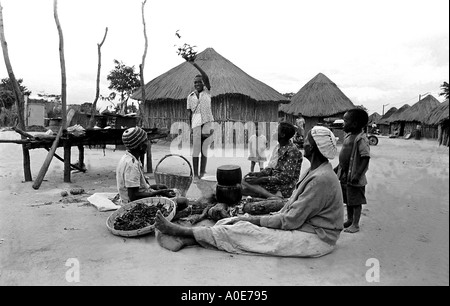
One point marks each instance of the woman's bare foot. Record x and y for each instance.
(164, 226)
(352, 229)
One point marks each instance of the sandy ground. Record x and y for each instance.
(405, 227)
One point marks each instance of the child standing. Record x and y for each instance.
(257, 150)
(353, 165)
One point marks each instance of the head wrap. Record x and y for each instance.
(133, 137)
(325, 141)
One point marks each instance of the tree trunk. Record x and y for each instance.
(63, 66)
(18, 97)
(97, 94)
(143, 112)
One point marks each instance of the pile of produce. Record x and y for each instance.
(140, 216)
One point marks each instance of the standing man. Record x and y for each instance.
(300, 123)
(199, 103)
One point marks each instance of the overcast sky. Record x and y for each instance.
(383, 52)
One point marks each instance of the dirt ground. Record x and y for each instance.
(404, 228)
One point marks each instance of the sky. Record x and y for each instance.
(381, 54)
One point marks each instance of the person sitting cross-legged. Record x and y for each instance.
(279, 181)
(308, 225)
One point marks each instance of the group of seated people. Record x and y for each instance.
(308, 225)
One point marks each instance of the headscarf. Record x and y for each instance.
(325, 141)
(133, 137)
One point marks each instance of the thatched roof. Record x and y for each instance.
(396, 115)
(419, 111)
(390, 112)
(374, 118)
(438, 114)
(320, 97)
(225, 78)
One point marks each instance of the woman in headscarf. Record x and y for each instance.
(308, 225)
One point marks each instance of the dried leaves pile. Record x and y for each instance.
(140, 216)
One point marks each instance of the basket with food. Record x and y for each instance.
(137, 218)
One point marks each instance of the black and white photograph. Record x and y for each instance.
(224, 147)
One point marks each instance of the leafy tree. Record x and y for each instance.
(444, 88)
(124, 80)
(289, 95)
(7, 98)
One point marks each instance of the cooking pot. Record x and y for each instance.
(229, 175)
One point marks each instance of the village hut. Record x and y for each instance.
(415, 115)
(318, 100)
(394, 124)
(374, 118)
(439, 119)
(384, 124)
(236, 97)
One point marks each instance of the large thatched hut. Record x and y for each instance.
(384, 124)
(317, 100)
(439, 119)
(374, 118)
(416, 115)
(236, 96)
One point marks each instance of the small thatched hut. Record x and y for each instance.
(417, 114)
(384, 124)
(396, 125)
(236, 96)
(439, 119)
(374, 118)
(317, 100)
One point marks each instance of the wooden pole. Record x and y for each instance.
(37, 183)
(97, 93)
(48, 159)
(63, 66)
(18, 98)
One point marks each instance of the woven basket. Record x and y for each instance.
(180, 182)
(152, 201)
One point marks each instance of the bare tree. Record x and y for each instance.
(19, 100)
(143, 108)
(97, 94)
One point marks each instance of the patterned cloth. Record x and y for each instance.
(286, 172)
(200, 107)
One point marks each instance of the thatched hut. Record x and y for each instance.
(236, 96)
(317, 100)
(439, 119)
(374, 118)
(394, 124)
(384, 124)
(417, 114)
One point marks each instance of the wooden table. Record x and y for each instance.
(91, 137)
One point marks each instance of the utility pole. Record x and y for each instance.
(383, 108)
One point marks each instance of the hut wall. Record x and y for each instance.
(385, 129)
(430, 131)
(444, 135)
(227, 110)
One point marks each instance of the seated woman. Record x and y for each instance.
(277, 180)
(131, 182)
(309, 224)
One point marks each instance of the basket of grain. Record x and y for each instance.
(137, 218)
(174, 180)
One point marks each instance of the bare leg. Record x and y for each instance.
(349, 217)
(168, 241)
(256, 191)
(261, 166)
(252, 166)
(356, 216)
(169, 228)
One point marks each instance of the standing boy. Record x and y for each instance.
(353, 165)
(199, 103)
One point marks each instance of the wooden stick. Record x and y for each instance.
(37, 183)
(18, 141)
(15, 128)
(75, 167)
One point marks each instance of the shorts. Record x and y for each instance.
(354, 195)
